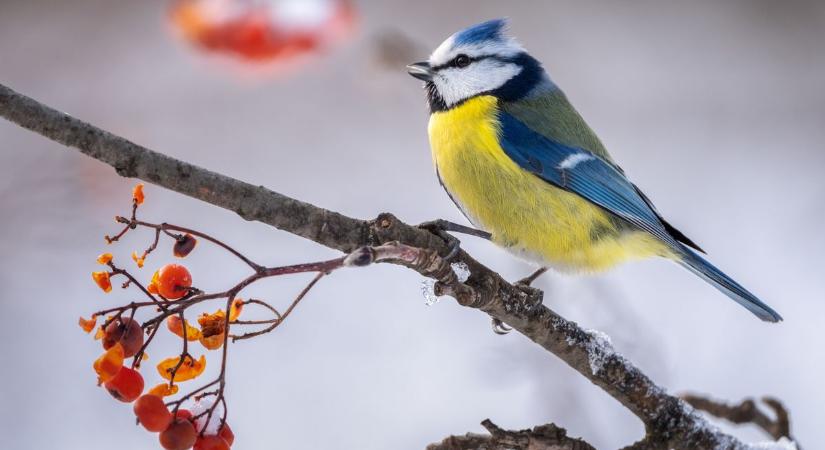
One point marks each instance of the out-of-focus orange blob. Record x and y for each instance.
(188, 369)
(264, 30)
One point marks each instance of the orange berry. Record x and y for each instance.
(211, 443)
(173, 281)
(184, 246)
(102, 280)
(137, 193)
(152, 413)
(125, 331)
(180, 435)
(126, 386)
(227, 434)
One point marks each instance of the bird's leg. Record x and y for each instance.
(440, 227)
(528, 280)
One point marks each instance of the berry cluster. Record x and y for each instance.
(196, 419)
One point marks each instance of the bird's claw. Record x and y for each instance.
(500, 328)
(438, 227)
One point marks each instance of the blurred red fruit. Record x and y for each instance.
(265, 30)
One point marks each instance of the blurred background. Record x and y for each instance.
(716, 109)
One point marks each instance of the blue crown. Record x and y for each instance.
(492, 30)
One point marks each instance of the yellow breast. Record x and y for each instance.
(524, 213)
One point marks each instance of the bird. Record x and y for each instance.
(524, 167)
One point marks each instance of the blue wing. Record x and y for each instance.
(581, 172)
(588, 175)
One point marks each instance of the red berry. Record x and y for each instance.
(227, 434)
(126, 386)
(211, 443)
(180, 435)
(126, 331)
(184, 414)
(173, 281)
(152, 413)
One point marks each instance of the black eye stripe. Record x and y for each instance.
(472, 59)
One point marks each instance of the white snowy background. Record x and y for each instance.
(717, 109)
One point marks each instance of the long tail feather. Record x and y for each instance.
(724, 283)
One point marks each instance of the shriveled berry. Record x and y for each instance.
(126, 331)
(152, 413)
(173, 281)
(184, 246)
(126, 385)
(180, 435)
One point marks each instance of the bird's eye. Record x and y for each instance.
(462, 61)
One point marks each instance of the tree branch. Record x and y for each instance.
(747, 412)
(543, 437)
(669, 421)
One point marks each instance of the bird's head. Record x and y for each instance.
(480, 60)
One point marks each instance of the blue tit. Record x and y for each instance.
(520, 163)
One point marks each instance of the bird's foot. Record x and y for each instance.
(528, 280)
(440, 228)
(500, 327)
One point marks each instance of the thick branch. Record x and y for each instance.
(669, 421)
(543, 437)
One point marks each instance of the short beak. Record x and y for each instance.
(420, 70)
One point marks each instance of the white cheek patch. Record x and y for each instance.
(456, 84)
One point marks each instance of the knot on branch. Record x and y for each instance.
(425, 261)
